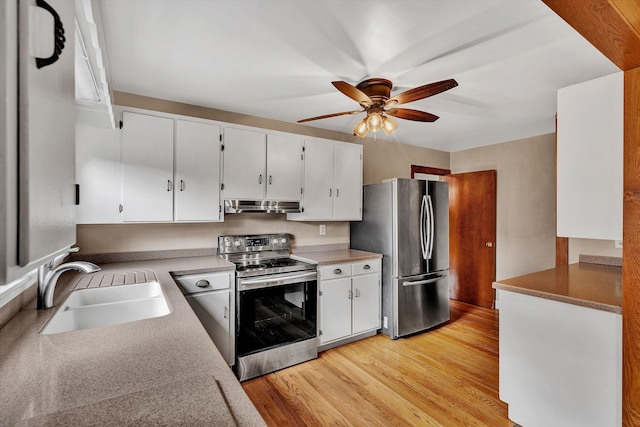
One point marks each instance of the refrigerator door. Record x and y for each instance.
(409, 210)
(422, 302)
(438, 253)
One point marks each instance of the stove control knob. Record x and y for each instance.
(283, 240)
(237, 243)
(227, 244)
(274, 242)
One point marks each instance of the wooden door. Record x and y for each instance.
(472, 236)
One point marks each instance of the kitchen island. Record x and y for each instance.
(160, 371)
(561, 346)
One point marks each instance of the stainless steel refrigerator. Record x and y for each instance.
(407, 221)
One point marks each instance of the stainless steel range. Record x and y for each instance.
(276, 303)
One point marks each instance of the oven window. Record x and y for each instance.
(274, 316)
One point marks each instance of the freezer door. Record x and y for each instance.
(422, 302)
(438, 197)
(409, 220)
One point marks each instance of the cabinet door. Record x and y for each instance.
(318, 181)
(284, 168)
(45, 115)
(99, 174)
(213, 310)
(147, 170)
(197, 182)
(590, 159)
(245, 155)
(335, 309)
(347, 203)
(366, 303)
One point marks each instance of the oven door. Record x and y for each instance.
(275, 310)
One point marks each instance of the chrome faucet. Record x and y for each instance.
(48, 277)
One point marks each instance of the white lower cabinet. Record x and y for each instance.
(349, 296)
(212, 298)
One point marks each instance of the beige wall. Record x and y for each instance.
(381, 160)
(579, 247)
(526, 200)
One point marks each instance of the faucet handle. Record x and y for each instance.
(62, 256)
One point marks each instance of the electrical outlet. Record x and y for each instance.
(618, 244)
(323, 229)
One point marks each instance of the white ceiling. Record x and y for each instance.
(277, 58)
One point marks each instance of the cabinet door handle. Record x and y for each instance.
(330, 192)
(337, 192)
(260, 179)
(226, 312)
(366, 267)
(169, 185)
(350, 294)
(337, 271)
(182, 185)
(270, 179)
(357, 293)
(58, 36)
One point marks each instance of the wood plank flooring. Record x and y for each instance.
(444, 377)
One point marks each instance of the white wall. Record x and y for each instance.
(526, 200)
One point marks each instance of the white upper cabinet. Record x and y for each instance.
(347, 182)
(332, 181)
(156, 169)
(261, 167)
(99, 174)
(284, 168)
(590, 159)
(245, 157)
(147, 170)
(197, 173)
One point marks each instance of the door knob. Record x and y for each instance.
(489, 244)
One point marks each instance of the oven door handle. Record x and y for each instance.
(269, 281)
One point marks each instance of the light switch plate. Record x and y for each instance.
(323, 229)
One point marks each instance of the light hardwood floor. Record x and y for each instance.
(444, 377)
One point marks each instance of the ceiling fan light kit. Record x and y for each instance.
(374, 95)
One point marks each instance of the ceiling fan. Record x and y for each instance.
(374, 96)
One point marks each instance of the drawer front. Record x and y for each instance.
(335, 271)
(192, 283)
(366, 267)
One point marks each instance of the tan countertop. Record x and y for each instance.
(335, 256)
(161, 371)
(588, 285)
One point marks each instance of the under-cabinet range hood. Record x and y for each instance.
(266, 206)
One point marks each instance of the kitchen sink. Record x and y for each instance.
(91, 308)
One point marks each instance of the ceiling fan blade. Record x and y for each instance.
(353, 93)
(330, 115)
(422, 92)
(415, 115)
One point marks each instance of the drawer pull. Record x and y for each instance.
(337, 271)
(202, 283)
(366, 267)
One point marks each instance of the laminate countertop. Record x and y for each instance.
(160, 371)
(338, 256)
(589, 285)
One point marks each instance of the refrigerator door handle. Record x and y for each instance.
(423, 241)
(422, 282)
(431, 228)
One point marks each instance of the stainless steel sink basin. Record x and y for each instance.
(91, 308)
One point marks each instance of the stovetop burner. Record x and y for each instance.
(258, 255)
